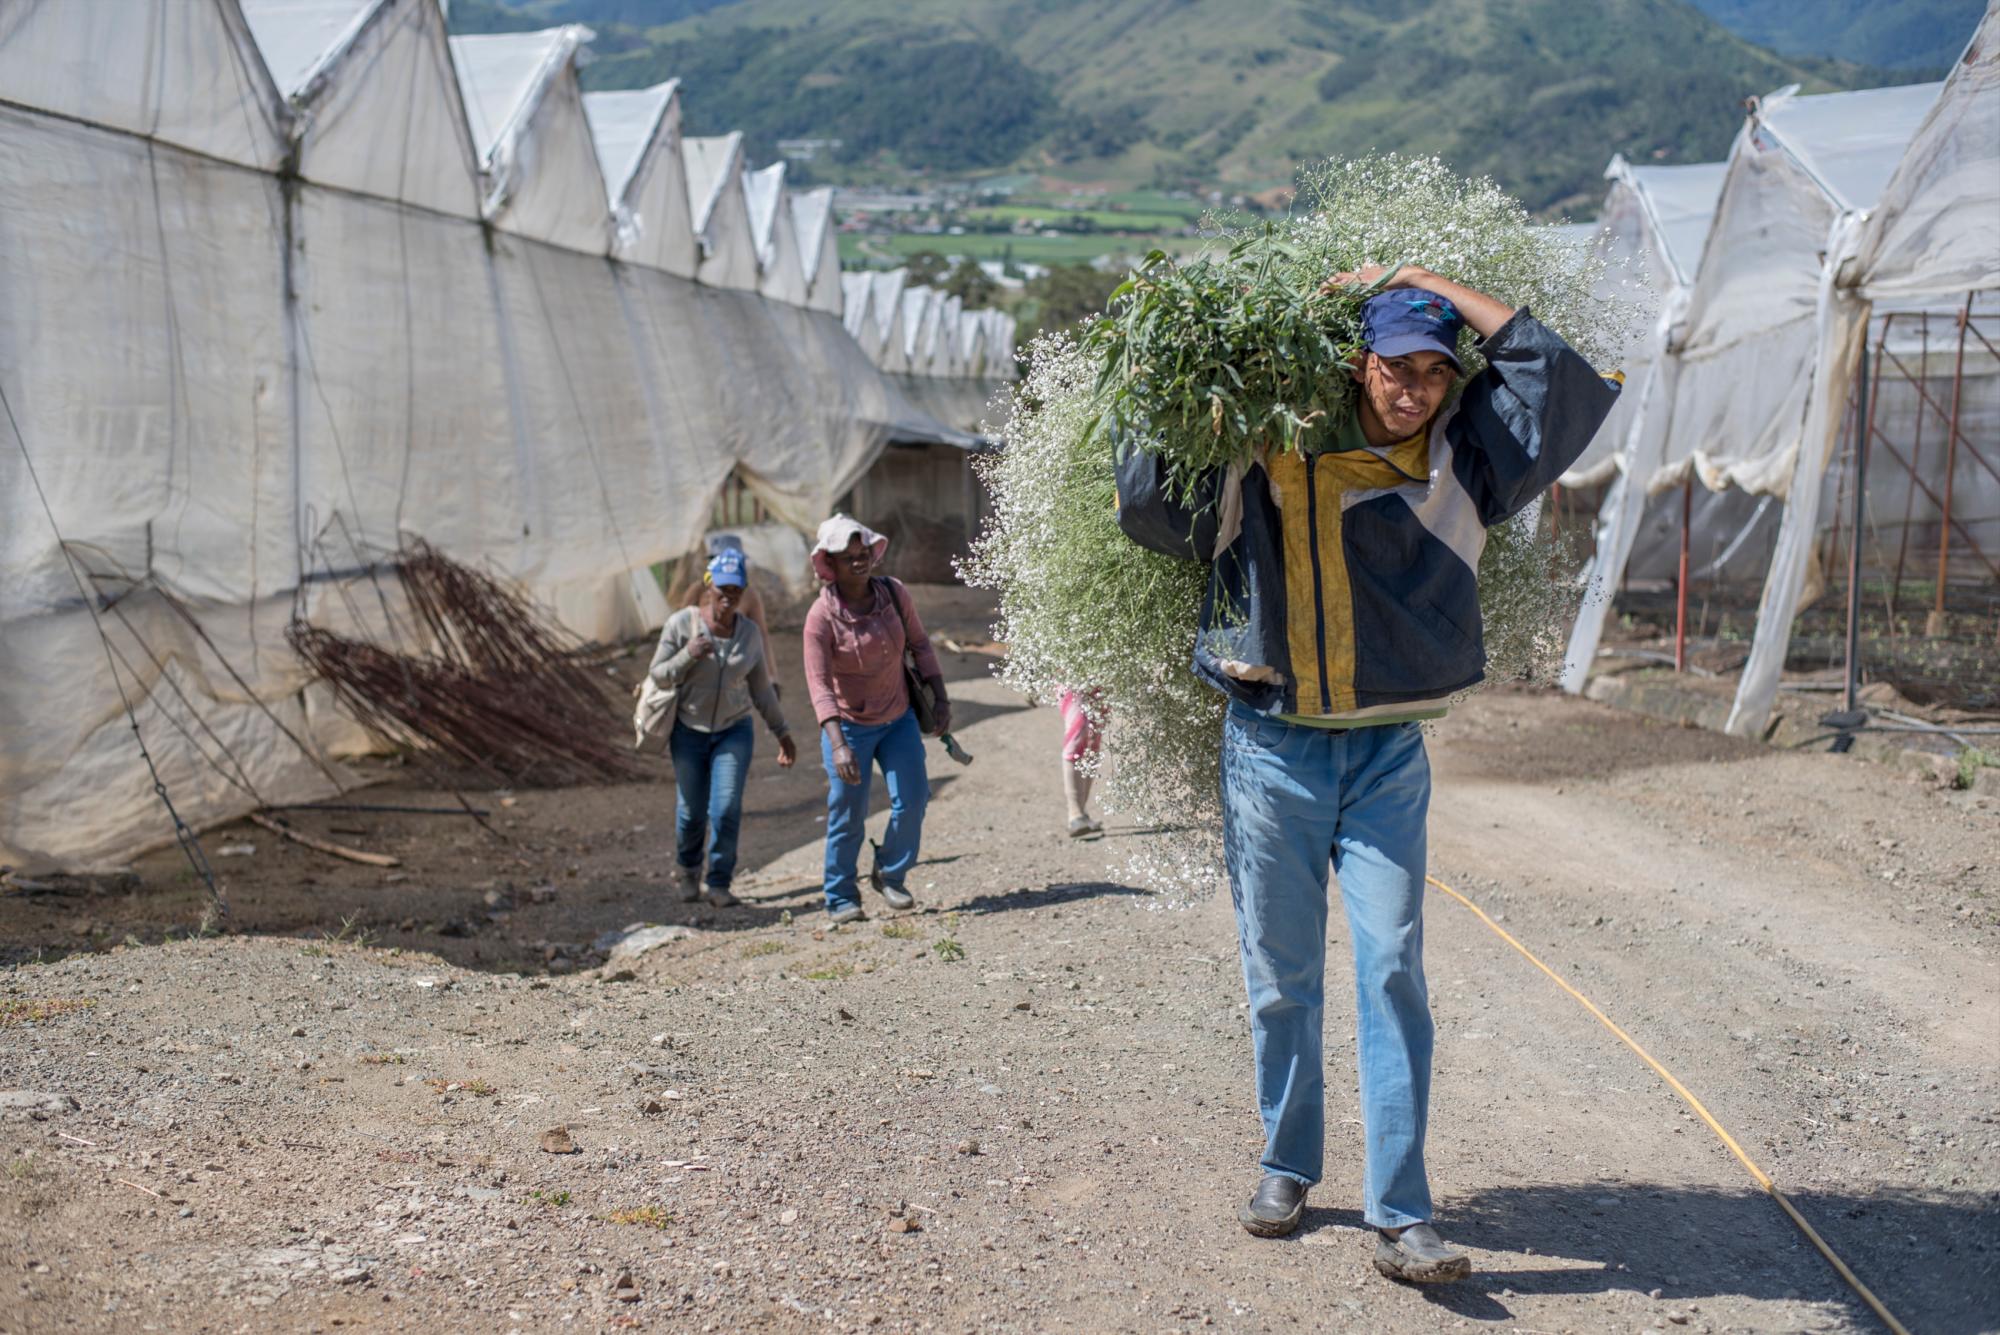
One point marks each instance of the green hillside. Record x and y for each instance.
(1921, 35)
(1538, 93)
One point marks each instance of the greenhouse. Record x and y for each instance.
(292, 282)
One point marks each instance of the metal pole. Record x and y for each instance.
(1935, 622)
(1864, 411)
(1916, 448)
(1681, 594)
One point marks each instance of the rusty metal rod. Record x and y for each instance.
(1951, 460)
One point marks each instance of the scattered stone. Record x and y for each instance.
(298, 1031)
(235, 850)
(789, 1217)
(662, 1041)
(652, 1107)
(902, 1224)
(624, 947)
(968, 1147)
(541, 894)
(619, 975)
(556, 1140)
(625, 1289)
(354, 1274)
(1023, 1006)
(432, 983)
(843, 1013)
(16, 1104)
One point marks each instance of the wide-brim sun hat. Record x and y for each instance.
(833, 537)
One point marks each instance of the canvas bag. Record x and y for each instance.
(653, 717)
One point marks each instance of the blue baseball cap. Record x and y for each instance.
(1396, 323)
(728, 567)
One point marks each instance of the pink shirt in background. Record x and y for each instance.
(854, 660)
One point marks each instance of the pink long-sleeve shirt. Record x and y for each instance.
(854, 660)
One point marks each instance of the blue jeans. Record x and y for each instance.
(899, 749)
(1293, 799)
(709, 772)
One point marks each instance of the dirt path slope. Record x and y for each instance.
(1026, 1106)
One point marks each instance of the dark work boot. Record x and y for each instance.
(1417, 1254)
(1273, 1210)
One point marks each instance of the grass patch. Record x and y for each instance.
(831, 973)
(33, 1011)
(645, 1216)
(477, 1088)
(899, 931)
(757, 949)
(553, 1200)
(350, 933)
(1970, 761)
(948, 949)
(382, 1059)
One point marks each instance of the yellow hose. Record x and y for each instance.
(1762, 1178)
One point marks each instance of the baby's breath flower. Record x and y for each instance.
(1083, 607)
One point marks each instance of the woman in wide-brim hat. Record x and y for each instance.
(856, 634)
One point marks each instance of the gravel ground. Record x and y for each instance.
(1025, 1105)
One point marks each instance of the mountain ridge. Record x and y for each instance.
(1537, 93)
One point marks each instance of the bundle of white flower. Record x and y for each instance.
(1083, 607)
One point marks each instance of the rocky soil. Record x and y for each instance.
(450, 1096)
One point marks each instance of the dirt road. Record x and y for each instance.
(1025, 1106)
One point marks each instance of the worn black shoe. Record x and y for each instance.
(1419, 1256)
(1273, 1210)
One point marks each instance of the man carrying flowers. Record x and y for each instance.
(1342, 612)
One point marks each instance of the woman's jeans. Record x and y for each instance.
(1293, 799)
(709, 772)
(898, 748)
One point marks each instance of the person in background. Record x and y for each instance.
(752, 604)
(856, 632)
(713, 654)
(1082, 740)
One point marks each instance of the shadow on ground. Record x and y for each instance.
(1933, 1258)
(1051, 896)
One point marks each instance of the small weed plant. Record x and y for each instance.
(948, 949)
(899, 931)
(550, 1199)
(41, 1010)
(645, 1216)
(831, 973)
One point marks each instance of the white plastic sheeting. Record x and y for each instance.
(535, 149)
(1801, 168)
(782, 277)
(920, 331)
(819, 248)
(638, 139)
(1655, 224)
(1949, 172)
(238, 388)
(721, 214)
(380, 64)
(1651, 231)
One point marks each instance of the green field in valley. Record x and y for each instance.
(887, 249)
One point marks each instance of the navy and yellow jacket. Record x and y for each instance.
(1347, 580)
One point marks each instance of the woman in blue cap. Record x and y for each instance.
(713, 656)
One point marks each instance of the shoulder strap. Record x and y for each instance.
(896, 601)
